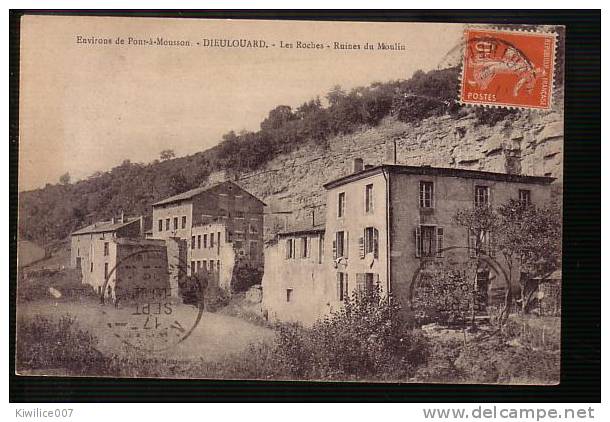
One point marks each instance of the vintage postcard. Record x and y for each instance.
(290, 200)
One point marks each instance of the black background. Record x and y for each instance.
(580, 360)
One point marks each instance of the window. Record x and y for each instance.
(91, 267)
(480, 244)
(426, 194)
(192, 242)
(425, 241)
(211, 266)
(218, 238)
(205, 240)
(340, 245)
(211, 240)
(366, 282)
(106, 249)
(342, 286)
(304, 247)
(218, 263)
(289, 248)
(184, 221)
(239, 214)
(341, 205)
(175, 223)
(160, 225)
(320, 249)
(288, 295)
(106, 271)
(525, 197)
(481, 196)
(371, 241)
(198, 266)
(253, 229)
(192, 267)
(368, 199)
(198, 241)
(167, 224)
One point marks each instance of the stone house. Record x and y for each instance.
(222, 224)
(114, 259)
(382, 224)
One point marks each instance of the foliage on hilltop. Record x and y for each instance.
(51, 213)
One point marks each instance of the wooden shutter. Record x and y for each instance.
(346, 245)
(440, 234)
(418, 241)
(287, 247)
(361, 246)
(345, 286)
(472, 244)
(339, 286)
(360, 282)
(335, 248)
(376, 243)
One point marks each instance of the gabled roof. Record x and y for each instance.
(439, 171)
(104, 226)
(185, 196)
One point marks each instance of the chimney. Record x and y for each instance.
(122, 216)
(358, 165)
(390, 151)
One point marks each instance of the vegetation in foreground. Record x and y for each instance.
(363, 341)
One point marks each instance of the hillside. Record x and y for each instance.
(295, 152)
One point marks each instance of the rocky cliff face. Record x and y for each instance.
(293, 182)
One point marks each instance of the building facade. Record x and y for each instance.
(222, 225)
(93, 248)
(383, 224)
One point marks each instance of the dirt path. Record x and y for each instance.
(214, 337)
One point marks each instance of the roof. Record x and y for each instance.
(139, 242)
(318, 228)
(104, 226)
(184, 196)
(439, 171)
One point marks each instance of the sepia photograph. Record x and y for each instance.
(243, 199)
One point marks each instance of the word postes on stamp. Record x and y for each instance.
(506, 68)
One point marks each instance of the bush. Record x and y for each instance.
(43, 344)
(494, 361)
(245, 276)
(443, 295)
(365, 339)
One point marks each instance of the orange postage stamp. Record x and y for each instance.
(508, 68)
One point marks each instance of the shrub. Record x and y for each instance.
(245, 276)
(42, 343)
(494, 361)
(365, 339)
(443, 294)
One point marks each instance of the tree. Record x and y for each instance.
(167, 154)
(481, 223)
(529, 240)
(64, 179)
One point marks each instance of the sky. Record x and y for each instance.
(86, 108)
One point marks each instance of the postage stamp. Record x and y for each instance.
(508, 68)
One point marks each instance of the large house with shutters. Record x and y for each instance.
(382, 223)
(221, 223)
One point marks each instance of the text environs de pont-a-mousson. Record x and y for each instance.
(159, 41)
